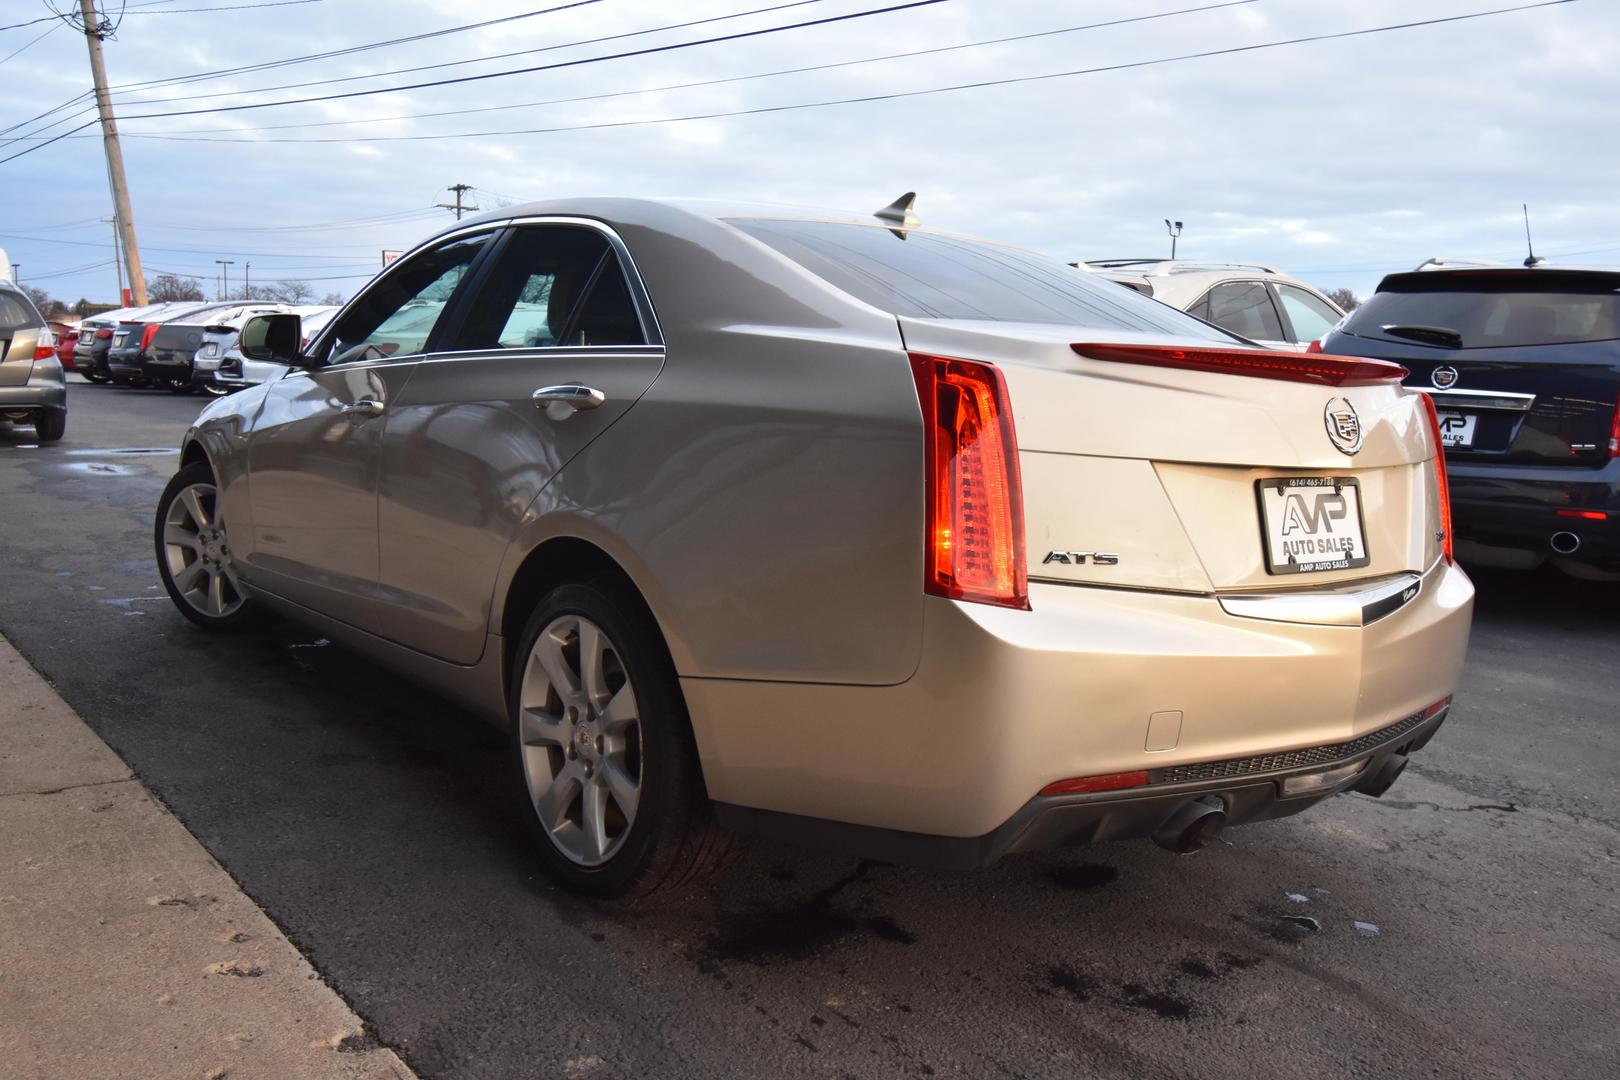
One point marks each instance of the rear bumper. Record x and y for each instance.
(1250, 791)
(1090, 682)
(163, 367)
(1517, 507)
(125, 363)
(45, 389)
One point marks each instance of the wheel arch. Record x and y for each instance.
(192, 452)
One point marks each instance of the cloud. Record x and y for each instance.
(1338, 160)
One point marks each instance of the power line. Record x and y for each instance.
(189, 251)
(233, 7)
(730, 79)
(552, 67)
(494, 56)
(891, 96)
(32, 43)
(350, 50)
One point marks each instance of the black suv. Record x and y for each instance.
(1523, 365)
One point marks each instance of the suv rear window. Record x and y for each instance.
(16, 312)
(1494, 309)
(935, 276)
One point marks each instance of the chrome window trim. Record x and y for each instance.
(645, 313)
(1501, 400)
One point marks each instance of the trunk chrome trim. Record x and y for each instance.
(1358, 604)
(1501, 400)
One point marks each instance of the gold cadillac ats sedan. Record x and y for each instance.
(840, 530)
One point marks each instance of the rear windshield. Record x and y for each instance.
(16, 313)
(1493, 310)
(934, 276)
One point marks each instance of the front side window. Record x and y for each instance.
(398, 316)
(554, 285)
(1311, 317)
(1244, 307)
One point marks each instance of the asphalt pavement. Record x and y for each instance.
(1465, 925)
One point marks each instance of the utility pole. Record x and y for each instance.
(118, 261)
(247, 281)
(225, 277)
(457, 206)
(115, 154)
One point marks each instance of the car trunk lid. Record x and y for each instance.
(1154, 477)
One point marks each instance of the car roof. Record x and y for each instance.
(1429, 277)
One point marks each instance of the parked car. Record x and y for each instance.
(839, 530)
(1256, 302)
(1523, 365)
(226, 371)
(132, 342)
(96, 334)
(67, 336)
(33, 389)
(168, 356)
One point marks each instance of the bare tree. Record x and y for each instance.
(292, 292)
(166, 287)
(1346, 299)
(333, 299)
(49, 308)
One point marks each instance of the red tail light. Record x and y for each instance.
(1584, 515)
(1440, 476)
(975, 509)
(1315, 347)
(1321, 368)
(148, 334)
(45, 347)
(1109, 782)
(104, 333)
(1614, 433)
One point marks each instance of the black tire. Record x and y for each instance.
(672, 838)
(249, 612)
(50, 425)
(181, 386)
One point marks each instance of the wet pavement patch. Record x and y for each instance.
(1078, 986)
(889, 930)
(1161, 1003)
(795, 933)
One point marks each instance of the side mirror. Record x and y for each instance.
(275, 338)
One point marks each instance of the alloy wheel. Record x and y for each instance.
(580, 735)
(197, 552)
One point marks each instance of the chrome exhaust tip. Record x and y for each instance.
(1192, 825)
(1564, 543)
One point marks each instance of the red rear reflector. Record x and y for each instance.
(1435, 709)
(1109, 782)
(1584, 515)
(1322, 369)
(975, 505)
(1441, 481)
(148, 334)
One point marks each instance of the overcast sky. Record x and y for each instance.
(1335, 160)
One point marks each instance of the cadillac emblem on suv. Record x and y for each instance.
(1343, 425)
(1444, 377)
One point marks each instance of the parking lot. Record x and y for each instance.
(1465, 925)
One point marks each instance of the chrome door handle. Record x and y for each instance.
(365, 407)
(561, 402)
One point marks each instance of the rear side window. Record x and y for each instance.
(1245, 307)
(934, 276)
(1310, 316)
(1493, 310)
(554, 285)
(16, 313)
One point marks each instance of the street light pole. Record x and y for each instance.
(1174, 229)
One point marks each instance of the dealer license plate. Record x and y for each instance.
(1457, 429)
(1312, 523)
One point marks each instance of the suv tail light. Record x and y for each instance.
(974, 548)
(147, 335)
(1441, 482)
(45, 347)
(1614, 432)
(1324, 369)
(1315, 347)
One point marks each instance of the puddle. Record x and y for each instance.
(100, 468)
(125, 450)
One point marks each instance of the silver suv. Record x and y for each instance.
(1251, 300)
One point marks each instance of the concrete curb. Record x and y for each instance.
(128, 950)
